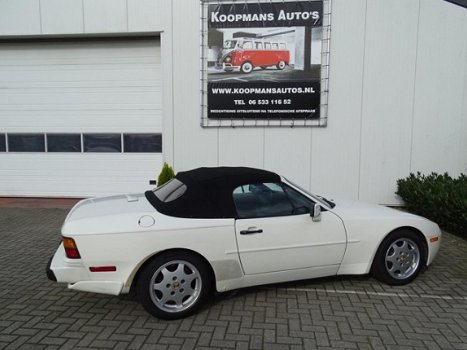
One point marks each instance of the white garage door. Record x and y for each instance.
(79, 118)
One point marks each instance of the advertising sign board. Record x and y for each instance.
(264, 61)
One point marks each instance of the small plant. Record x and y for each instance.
(167, 173)
(439, 198)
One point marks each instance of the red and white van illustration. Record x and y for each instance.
(248, 53)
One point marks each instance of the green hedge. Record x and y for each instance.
(439, 198)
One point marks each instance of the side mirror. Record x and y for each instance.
(315, 212)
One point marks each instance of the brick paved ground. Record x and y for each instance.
(339, 312)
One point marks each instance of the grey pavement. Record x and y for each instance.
(350, 312)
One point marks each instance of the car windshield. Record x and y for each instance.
(170, 191)
(230, 44)
(318, 197)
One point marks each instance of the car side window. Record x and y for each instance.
(300, 203)
(170, 191)
(247, 45)
(267, 200)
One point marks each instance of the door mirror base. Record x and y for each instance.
(315, 212)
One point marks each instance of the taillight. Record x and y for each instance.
(71, 250)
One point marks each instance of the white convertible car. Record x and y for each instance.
(231, 227)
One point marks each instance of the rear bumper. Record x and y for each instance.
(67, 270)
(63, 270)
(49, 272)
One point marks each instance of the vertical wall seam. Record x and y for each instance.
(40, 17)
(264, 147)
(172, 84)
(361, 103)
(414, 89)
(127, 20)
(463, 125)
(84, 21)
(218, 146)
(310, 166)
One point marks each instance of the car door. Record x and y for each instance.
(275, 232)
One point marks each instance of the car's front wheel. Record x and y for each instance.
(399, 258)
(246, 67)
(174, 285)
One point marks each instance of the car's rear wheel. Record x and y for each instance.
(399, 258)
(281, 65)
(174, 285)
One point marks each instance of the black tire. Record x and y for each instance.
(246, 67)
(399, 258)
(183, 283)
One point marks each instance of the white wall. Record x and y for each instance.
(397, 103)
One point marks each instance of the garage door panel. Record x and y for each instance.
(85, 50)
(83, 86)
(64, 161)
(84, 98)
(96, 174)
(54, 62)
(84, 121)
(74, 107)
(115, 75)
(97, 86)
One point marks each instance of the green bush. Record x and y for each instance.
(167, 173)
(439, 198)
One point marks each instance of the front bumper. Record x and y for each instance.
(228, 67)
(433, 247)
(63, 270)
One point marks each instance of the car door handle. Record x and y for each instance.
(250, 231)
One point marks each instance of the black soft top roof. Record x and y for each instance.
(209, 191)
